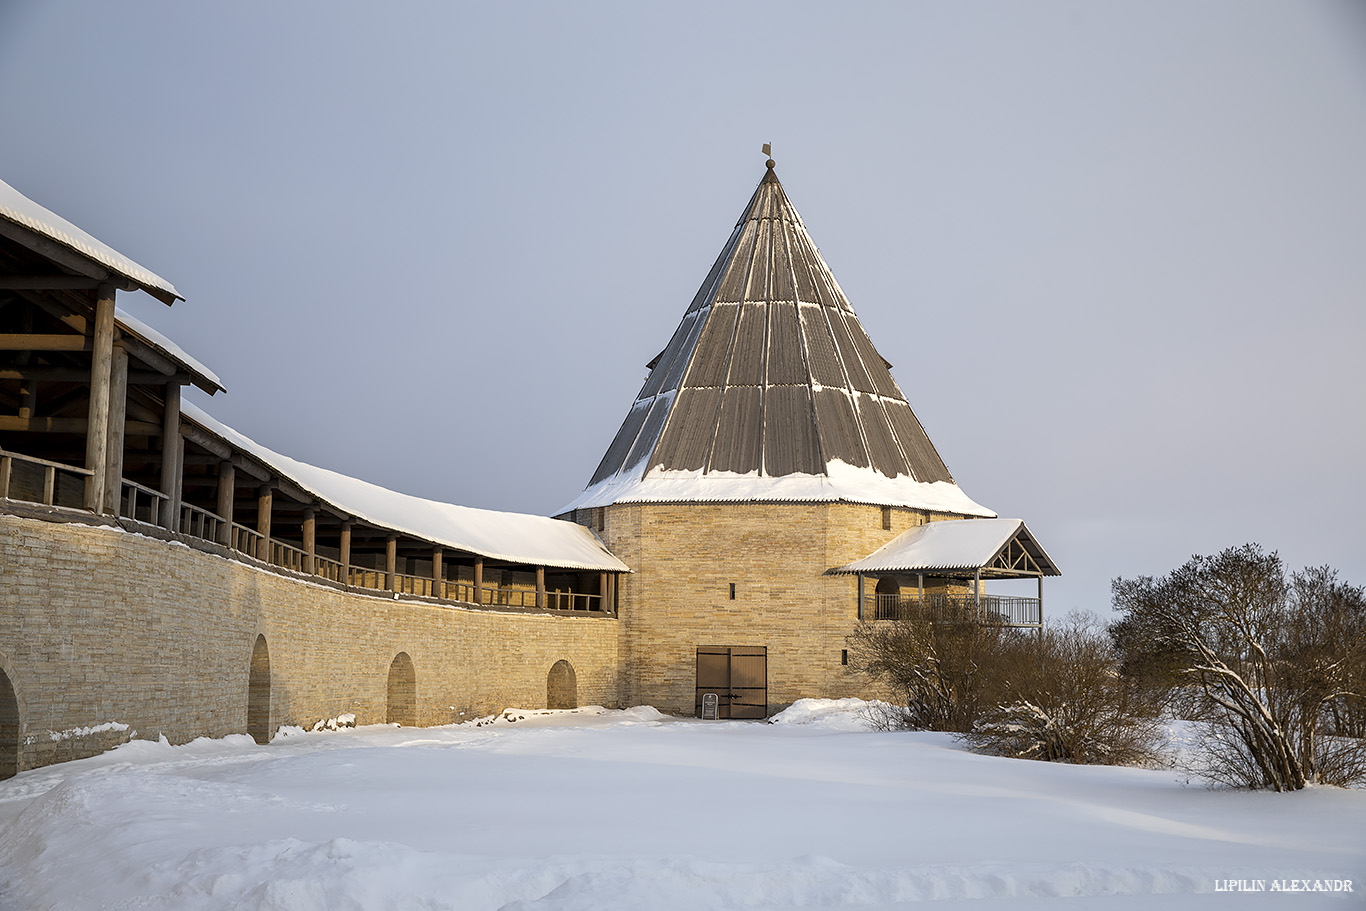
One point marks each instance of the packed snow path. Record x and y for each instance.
(596, 809)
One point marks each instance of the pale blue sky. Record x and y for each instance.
(1115, 252)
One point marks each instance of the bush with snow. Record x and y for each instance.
(1274, 664)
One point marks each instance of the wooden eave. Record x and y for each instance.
(76, 264)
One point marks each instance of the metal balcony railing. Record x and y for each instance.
(1000, 610)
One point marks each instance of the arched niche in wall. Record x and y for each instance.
(561, 686)
(9, 728)
(258, 692)
(402, 702)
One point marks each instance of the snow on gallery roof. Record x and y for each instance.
(771, 390)
(967, 544)
(514, 537)
(18, 208)
(206, 378)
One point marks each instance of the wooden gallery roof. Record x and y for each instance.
(507, 536)
(46, 233)
(43, 254)
(771, 390)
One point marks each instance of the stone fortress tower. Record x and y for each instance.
(768, 446)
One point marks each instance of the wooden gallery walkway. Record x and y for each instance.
(92, 428)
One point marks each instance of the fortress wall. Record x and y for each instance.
(685, 557)
(99, 625)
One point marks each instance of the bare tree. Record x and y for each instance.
(1062, 699)
(1262, 657)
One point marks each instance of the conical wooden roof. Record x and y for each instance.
(770, 389)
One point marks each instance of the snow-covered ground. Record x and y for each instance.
(596, 809)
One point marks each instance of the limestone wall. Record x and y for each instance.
(98, 625)
(686, 556)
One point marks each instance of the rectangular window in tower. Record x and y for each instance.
(732, 591)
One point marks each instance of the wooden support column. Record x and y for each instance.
(310, 533)
(920, 588)
(438, 572)
(118, 412)
(391, 561)
(977, 594)
(227, 483)
(346, 552)
(1040, 605)
(478, 580)
(540, 586)
(97, 424)
(28, 388)
(860, 596)
(264, 500)
(28, 398)
(172, 457)
(602, 590)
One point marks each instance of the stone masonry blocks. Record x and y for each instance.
(100, 625)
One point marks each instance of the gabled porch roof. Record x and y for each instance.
(998, 548)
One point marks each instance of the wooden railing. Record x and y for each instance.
(244, 540)
(327, 568)
(556, 600)
(288, 556)
(1001, 610)
(141, 503)
(201, 523)
(35, 480)
(360, 577)
(414, 585)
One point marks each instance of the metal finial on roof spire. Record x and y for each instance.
(768, 150)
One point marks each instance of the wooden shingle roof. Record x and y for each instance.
(770, 375)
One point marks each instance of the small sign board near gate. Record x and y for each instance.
(709, 704)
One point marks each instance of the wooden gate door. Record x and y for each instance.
(738, 675)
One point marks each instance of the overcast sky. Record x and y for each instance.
(1116, 253)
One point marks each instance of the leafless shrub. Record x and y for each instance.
(883, 716)
(1273, 663)
(1062, 699)
(941, 667)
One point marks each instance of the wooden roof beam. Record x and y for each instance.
(63, 256)
(71, 425)
(43, 342)
(76, 322)
(76, 375)
(145, 353)
(48, 283)
(66, 258)
(207, 441)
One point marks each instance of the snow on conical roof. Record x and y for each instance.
(771, 390)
